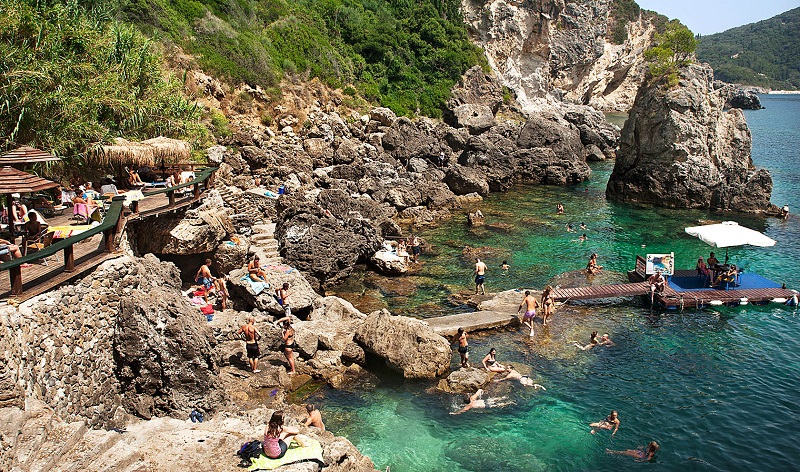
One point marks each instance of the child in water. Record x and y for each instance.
(505, 267)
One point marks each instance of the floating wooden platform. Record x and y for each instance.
(671, 299)
(601, 291)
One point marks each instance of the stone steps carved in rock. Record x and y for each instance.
(60, 439)
(117, 458)
(94, 443)
(31, 437)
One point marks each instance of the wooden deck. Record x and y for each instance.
(39, 278)
(671, 299)
(601, 291)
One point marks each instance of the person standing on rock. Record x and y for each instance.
(530, 304)
(547, 304)
(480, 276)
(463, 347)
(251, 336)
(415, 248)
(282, 295)
(288, 345)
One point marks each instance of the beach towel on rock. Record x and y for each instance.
(257, 287)
(312, 451)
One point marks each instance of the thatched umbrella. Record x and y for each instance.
(123, 152)
(16, 181)
(170, 151)
(26, 155)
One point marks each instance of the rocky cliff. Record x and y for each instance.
(680, 148)
(550, 50)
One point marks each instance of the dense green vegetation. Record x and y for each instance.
(71, 78)
(766, 53)
(671, 50)
(403, 54)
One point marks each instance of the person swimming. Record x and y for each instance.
(640, 454)
(476, 401)
(610, 422)
(592, 342)
(525, 380)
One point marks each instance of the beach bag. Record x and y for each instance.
(249, 450)
(207, 310)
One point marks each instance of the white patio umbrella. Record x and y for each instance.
(729, 233)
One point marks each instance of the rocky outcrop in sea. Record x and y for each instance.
(681, 149)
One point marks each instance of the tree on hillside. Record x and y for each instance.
(672, 51)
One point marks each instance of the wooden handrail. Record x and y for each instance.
(110, 226)
(110, 221)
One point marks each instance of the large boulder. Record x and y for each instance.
(464, 380)
(476, 118)
(327, 237)
(407, 344)
(199, 231)
(301, 294)
(680, 149)
(463, 180)
(389, 263)
(744, 99)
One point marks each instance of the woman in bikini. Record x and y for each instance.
(288, 344)
(491, 364)
(610, 422)
(640, 454)
(547, 304)
(278, 436)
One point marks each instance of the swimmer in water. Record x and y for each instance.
(610, 422)
(477, 402)
(592, 342)
(640, 454)
(512, 374)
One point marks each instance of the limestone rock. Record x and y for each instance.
(477, 88)
(382, 115)
(464, 180)
(301, 294)
(464, 380)
(408, 345)
(389, 263)
(476, 118)
(680, 149)
(744, 99)
(230, 256)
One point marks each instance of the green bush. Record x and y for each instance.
(72, 78)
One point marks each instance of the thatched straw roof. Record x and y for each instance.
(150, 152)
(26, 155)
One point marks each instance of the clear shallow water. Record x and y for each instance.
(716, 388)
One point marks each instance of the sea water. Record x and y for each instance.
(717, 388)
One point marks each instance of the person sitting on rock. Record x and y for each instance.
(592, 267)
(314, 417)
(257, 274)
(491, 364)
(276, 435)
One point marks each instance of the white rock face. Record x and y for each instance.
(549, 50)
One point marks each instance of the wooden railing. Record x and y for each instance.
(111, 226)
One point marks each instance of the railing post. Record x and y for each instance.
(197, 190)
(16, 280)
(135, 206)
(171, 196)
(69, 259)
(108, 236)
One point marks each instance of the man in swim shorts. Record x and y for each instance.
(531, 305)
(251, 336)
(415, 248)
(463, 347)
(480, 276)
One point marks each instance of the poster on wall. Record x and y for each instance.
(663, 262)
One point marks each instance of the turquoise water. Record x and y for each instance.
(716, 388)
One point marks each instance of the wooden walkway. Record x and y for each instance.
(41, 277)
(601, 291)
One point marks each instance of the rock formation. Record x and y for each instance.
(679, 148)
(301, 294)
(560, 49)
(408, 345)
(121, 341)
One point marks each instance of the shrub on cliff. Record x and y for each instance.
(71, 77)
(673, 49)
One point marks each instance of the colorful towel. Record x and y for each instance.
(257, 287)
(62, 232)
(312, 451)
(279, 268)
